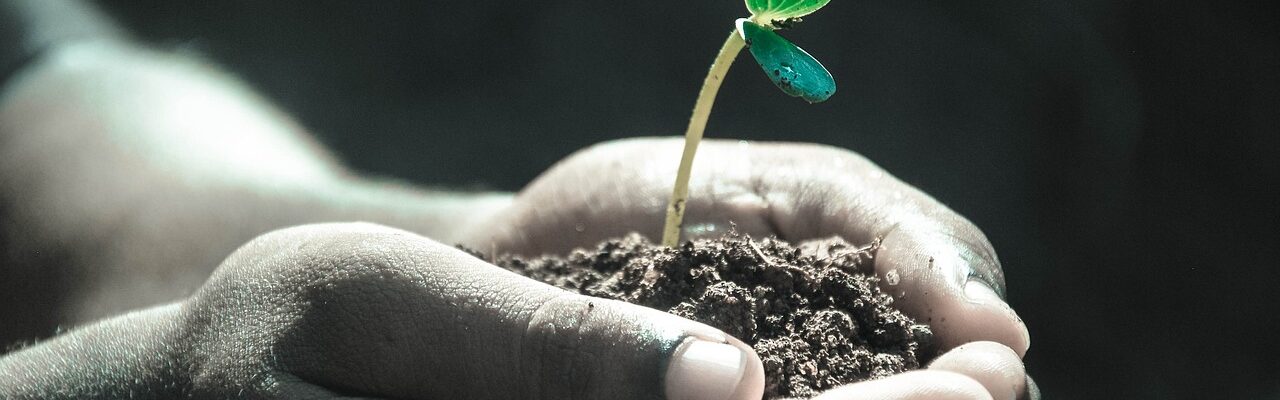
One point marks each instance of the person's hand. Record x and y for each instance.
(947, 273)
(332, 310)
(318, 311)
(335, 310)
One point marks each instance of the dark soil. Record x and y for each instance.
(813, 311)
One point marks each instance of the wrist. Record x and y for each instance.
(136, 353)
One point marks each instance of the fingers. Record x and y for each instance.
(1032, 392)
(981, 370)
(914, 385)
(939, 267)
(993, 365)
(374, 310)
(580, 347)
(939, 273)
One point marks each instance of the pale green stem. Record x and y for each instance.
(693, 135)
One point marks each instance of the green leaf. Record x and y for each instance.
(767, 11)
(789, 67)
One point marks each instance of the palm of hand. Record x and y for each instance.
(946, 271)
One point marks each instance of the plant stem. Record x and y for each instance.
(693, 135)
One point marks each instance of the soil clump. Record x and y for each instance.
(812, 311)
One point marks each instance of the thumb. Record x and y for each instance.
(396, 314)
(583, 347)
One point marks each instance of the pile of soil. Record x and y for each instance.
(813, 311)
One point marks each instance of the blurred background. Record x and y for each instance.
(1122, 155)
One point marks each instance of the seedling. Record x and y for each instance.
(789, 67)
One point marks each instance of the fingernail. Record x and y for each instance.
(962, 262)
(983, 267)
(706, 370)
(978, 292)
(969, 258)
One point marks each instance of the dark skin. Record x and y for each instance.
(195, 255)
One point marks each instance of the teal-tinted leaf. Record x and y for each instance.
(767, 11)
(789, 67)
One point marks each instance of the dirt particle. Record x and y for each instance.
(812, 312)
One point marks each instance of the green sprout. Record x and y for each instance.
(789, 67)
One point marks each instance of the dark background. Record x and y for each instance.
(1121, 155)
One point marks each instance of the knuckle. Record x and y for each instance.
(311, 258)
(345, 245)
(548, 350)
(280, 284)
(556, 319)
(583, 347)
(351, 256)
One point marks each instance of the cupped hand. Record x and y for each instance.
(361, 310)
(939, 266)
